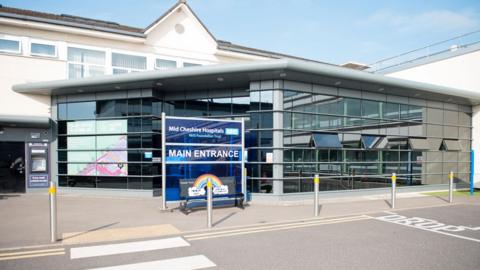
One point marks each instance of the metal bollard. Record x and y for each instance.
(316, 184)
(52, 192)
(450, 188)
(394, 190)
(209, 202)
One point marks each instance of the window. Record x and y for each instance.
(186, 64)
(10, 45)
(163, 64)
(326, 140)
(42, 49)
(85, 63)
(124, 63)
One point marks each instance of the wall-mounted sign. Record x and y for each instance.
(196, 150)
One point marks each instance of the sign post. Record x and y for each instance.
(164, 177)
(209, 202)
(52, 192)
(450, 187)
(394, 190)
(198, 150)
(316, 182)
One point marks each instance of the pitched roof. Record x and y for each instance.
(113, 27)
(69, 20)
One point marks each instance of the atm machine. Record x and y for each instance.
(37, 166)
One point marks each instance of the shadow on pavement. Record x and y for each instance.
(6, 196)
(91, 230)
(224, 218)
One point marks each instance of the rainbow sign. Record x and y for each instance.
(200, 183)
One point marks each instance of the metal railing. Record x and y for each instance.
(450, 45)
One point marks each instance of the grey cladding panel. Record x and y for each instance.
(419, 144)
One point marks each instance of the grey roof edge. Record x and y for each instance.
(71, 24)
(255, 66)
(30, 121)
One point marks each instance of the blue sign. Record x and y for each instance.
(197, 150)
(184, 130)
(190, 154)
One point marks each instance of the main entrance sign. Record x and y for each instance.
(198, 149)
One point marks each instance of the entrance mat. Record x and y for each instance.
(118, 234)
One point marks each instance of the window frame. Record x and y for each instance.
(12, 38)
(86, 65)
(129, 53)
(164, 59)
(42, 42)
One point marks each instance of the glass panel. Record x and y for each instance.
(7, 45)
(111, 108)
(134, 107)
(112, 126)
(81, 110)
(62, 111)
(81, 143)
(185, 64)
(112, 156)
(81, 156)
(86, 56)
(112, 182)
(240, 105)
(112, 142)
(326, 140)
(391, 111)
(43, 49)
(220, 106)
(120, 169)
(129, 61)
(81, 169)
(163, 64)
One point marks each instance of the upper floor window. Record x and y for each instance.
(186, 64)
(85, 63)
(124, 63)
(163, 64)
(10, 45)
(43, 49)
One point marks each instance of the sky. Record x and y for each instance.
(330, 31)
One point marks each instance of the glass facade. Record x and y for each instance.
(353, 139)
(356, 143)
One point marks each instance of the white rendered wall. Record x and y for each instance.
(17, 70)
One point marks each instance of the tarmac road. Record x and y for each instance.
(442, 237)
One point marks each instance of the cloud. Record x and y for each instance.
(428, 21)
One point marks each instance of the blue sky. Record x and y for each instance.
(330, 31)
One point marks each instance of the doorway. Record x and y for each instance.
(12, 167)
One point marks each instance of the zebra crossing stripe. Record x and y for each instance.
(139, 246)
(182, 263)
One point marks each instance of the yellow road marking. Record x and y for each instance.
(32, 255)
(31, 252)
(273, 228)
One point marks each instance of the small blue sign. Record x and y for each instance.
(147, 155)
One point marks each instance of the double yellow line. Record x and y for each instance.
(31, 254)
(277, 227)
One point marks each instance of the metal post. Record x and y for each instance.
(450, 187)
(164, 166)
(52, 192)
(472, 173)
(244, 170)
(394, 190)
(316, 183)
(209, 202)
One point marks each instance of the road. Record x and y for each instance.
(444, 237)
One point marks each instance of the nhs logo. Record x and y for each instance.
(232, 131)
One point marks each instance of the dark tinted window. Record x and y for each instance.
(62, 111)
(81, 110)
(111, 108)
(134, 107)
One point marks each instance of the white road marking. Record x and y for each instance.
(183, 263)
(427, 225)
(103, 250)
(288, 226)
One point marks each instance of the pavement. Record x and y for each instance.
(423, 232)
